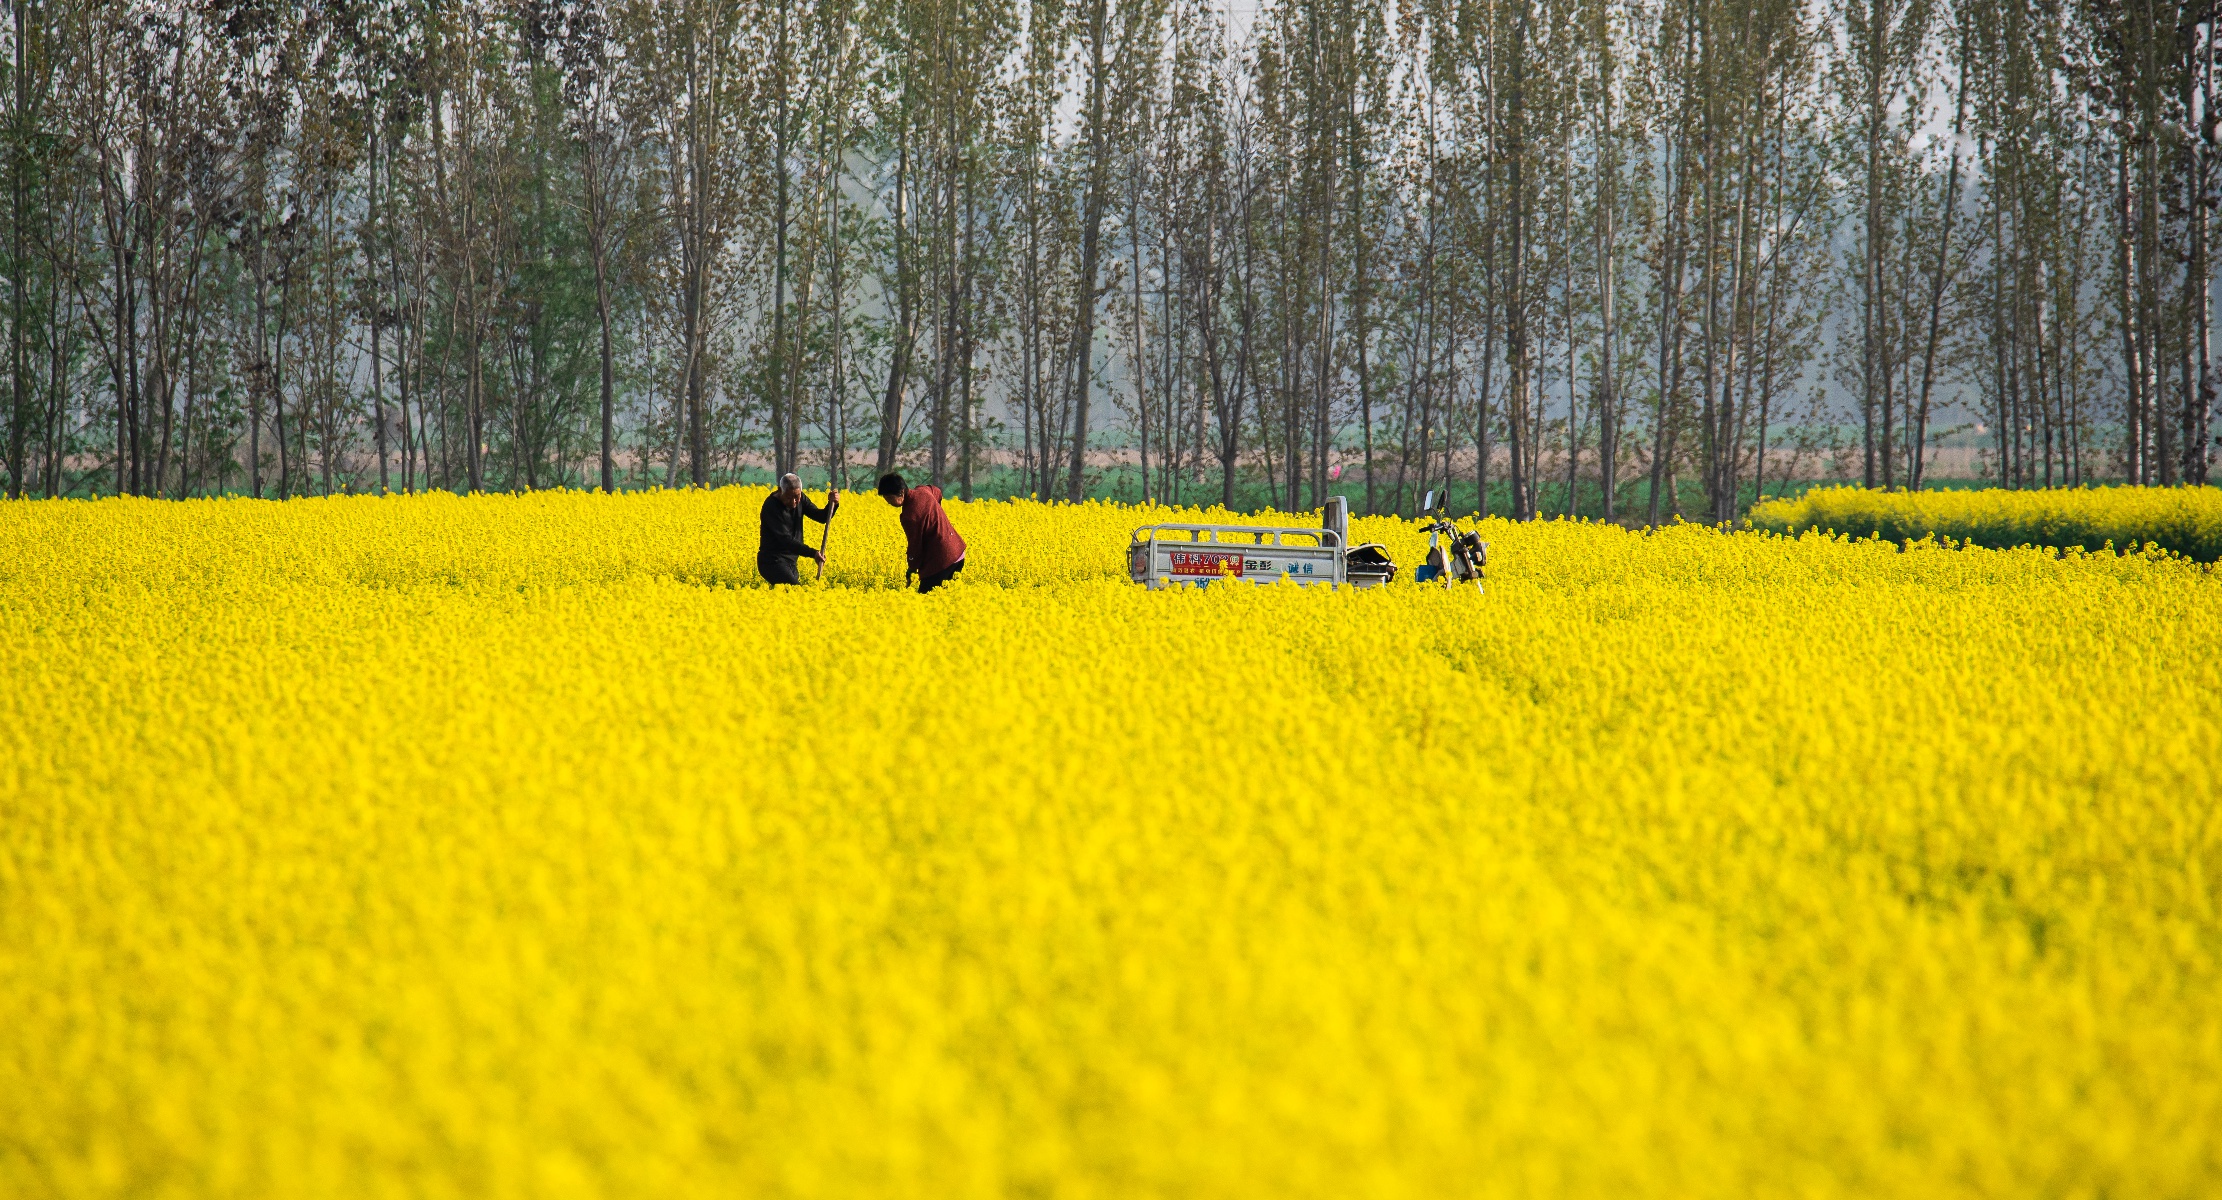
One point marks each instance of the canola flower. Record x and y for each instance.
(525, 847)
(2180, 520)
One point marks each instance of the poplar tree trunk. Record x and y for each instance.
(600, 251)
(1949, 208)
(775, 376)
(1872, 280)
(1670, 302)
(377, 321)
(1361, 292)
(2133, 367)
(1608, 418)
(898, 359)
(19, 257)
(1091, 236)
(1515, 318)
(1141, 345)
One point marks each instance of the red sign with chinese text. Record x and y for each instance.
(1207, 562)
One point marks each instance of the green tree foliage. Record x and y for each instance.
(1630, 258)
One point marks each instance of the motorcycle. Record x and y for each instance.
(1459, 559)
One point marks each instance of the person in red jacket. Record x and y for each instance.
(936, 552)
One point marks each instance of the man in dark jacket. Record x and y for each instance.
(936, 553)
(781, 542)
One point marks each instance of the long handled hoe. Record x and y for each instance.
(826, 532)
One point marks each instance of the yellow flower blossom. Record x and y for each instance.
(2186, 521)
(527, 846)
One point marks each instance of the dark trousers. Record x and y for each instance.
(778, 569)
(927, 583)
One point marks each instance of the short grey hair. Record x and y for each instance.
(790, 480)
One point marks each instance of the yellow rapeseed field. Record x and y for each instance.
(525, 847)
(2181, 520)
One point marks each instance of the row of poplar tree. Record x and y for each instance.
(1622, 257)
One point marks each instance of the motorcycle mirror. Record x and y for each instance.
(1428, 505)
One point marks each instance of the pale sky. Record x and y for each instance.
(1240, 13)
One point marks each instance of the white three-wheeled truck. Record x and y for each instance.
(1175, 555)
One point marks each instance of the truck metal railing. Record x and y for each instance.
(1157, 556)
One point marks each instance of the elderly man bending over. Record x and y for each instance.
(782, 541)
